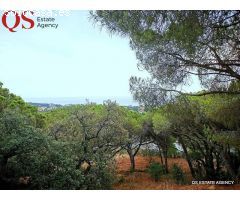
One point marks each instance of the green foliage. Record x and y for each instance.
(173, 152)
(29, 151)
(160, 121)
(49, 168)
(50, 149)
(222, 112)
(156, 170)
(49, 164)
(17, 134)
(185, 31)
(174, 46)
(178, 174)
(10, 101)
(221, 109)
(59, 114)
(132, 121)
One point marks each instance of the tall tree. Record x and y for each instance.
(176, 46)
(135, 135)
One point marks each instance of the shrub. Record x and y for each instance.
(121, 179)
(178, 174)
(156, 170)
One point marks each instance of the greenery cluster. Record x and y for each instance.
(74, 147)
(156, 170)
(176, 47)
(33, 154)
(178, 174)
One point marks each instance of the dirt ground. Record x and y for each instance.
(141, 180)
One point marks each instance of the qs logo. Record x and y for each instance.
(17, 19)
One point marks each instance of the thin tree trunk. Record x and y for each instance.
(161, 157)
(187, 157)
(160, 154)
(3, 165)
(227, 159)
(166, 161)
(132, 160)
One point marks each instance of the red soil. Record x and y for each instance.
(141, 180)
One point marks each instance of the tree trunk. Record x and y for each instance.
(218, 167)
(132, 161)
(209, 160)
(160, 154)
(187, 157)
(166, 161)
(3, 165)
(227, 158)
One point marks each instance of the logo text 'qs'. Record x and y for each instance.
(18, 18)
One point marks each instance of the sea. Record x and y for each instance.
(123, 101)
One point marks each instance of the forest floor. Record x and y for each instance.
(141, 180)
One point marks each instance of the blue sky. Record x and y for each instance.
(75, 60)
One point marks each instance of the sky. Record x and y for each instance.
(76, 60)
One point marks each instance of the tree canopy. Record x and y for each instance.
(176, 46)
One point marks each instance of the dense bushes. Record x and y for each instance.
(178, 174)
(48, 152)
(28, 153)
(156, 170)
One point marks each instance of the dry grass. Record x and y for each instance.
(140, 180)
